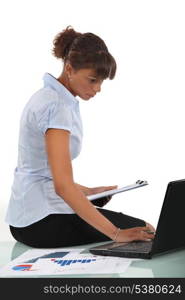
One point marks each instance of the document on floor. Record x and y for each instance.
(24, 264)
(76, 263)
(63, 262)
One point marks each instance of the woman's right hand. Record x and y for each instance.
(134, 234)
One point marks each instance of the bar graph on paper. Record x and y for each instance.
(72, 264)
(68, 262)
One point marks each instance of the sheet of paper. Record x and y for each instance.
(75, 263)
(38, 262)
(24, 264)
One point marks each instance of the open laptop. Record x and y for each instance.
(169, 235)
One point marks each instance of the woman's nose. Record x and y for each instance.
(97, 87)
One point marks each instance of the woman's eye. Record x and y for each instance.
(92, 80)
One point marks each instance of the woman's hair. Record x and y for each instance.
(84, 51)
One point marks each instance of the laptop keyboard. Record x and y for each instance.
(135, 247)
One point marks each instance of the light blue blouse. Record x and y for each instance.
(33, 195)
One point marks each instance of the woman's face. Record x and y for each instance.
(83, 83)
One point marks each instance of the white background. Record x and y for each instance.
(134, 129)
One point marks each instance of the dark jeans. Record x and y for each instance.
(65, 230)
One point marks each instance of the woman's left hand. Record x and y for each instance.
(91, 191)
(101, 189)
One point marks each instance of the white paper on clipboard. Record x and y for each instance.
(137, 184)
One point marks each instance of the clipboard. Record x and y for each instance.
(137, 184)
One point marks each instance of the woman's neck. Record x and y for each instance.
(63, 79)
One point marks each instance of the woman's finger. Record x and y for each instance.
(111, 187)
(147, 235)
(150, 227)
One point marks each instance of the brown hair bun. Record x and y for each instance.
(63, 41)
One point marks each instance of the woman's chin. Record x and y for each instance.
(85, 97)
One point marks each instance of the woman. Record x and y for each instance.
(47, 208)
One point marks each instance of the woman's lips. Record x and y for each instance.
(91, 95)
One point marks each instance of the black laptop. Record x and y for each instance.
(169, 235)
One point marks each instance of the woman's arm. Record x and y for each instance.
(57, 146)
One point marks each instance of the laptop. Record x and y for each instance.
(169, 235)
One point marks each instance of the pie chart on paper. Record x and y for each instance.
(25, 267)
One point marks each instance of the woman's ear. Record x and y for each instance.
(68, 70)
